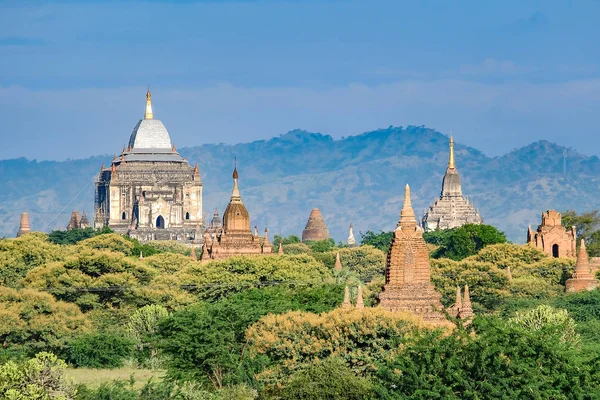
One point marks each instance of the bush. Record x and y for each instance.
(328, 379)
(41, 378)
(467, 240)
(99, 350)
(33, 321)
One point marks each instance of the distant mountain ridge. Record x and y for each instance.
(358, 179)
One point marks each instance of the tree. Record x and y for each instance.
(143, 325)
(74, 236)
(327, 379)
(206, 342)
(500, 360)
(549, 321)
(41, 378)
(468, 240)
(285, 240)
(587, 227)
(321, 246)
(294, 340)
(379, 240)
(33, 321)
(100, 350)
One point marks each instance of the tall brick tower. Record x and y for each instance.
(408, 285)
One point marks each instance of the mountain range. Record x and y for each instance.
(357, 179)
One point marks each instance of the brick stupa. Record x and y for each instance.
(315, 228)
(408, 284)
(24, 227)
(582, 279)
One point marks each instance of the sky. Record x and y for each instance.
(499, 75)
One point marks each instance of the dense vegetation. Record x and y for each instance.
(271, 327)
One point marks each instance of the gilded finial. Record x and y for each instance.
(148, 114)
(451, 158)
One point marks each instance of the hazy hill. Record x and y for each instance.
(357, 179)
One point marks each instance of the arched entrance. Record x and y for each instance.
(555, 250)
(160, 222)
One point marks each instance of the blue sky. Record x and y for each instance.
(500, 75)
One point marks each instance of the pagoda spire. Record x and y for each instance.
(24, 227)
(338, 263)
(193, 253)
(347, 303)
(407, 215)
(359, 298)
(280, 251)
(451, 163)
(148, 114)
(235, 193)
(458, 303)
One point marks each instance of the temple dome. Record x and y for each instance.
(150, 134)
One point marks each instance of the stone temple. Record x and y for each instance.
(233, 236)
(551, 237)
(150, 192)
(451, 209)
(408, 284)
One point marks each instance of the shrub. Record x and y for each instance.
(100, 350)
(327, 379)
(41, 378)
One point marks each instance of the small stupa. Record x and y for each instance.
(24, 227)
(315, 228)
(351, 240)
(582, 279)
(338, 262)
(408, 284)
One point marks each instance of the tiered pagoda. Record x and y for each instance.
(451, 209)
(408, 284)
(233, 236)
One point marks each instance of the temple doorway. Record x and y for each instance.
(555, 250)
(160, 222)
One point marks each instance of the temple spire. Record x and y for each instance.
(235, 193)
(407, 215)
(24, 227)
(280, 251)
(359, 298)
(148, 114)
(338, 262)
(193, 253)
(347, 303)
(451, 163)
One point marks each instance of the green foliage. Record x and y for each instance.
(206, 342)
(366, 261)
(320, 246)
(99, 350)
(296, 248)
(467, 240)
(587, 227)
(296, 339)
(111, 242)
(18, 256)
(499, 361)
(41, 378)
(142, 326)
(74, 236)
(381, 240)
(328, 379)
(118, 390)
(217, 279)
(33, 321)
(488, 284)
(292, 239)
(549, 321)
